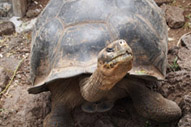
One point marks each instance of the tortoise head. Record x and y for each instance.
(115, 59)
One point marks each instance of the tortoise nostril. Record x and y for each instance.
(121, 42)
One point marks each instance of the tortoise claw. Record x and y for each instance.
(105, 106)
(89, 107)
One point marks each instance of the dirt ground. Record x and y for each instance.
(20, 109)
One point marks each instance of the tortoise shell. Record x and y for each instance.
(69, 34)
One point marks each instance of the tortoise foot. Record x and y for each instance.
(58, 117)
(105, 106)
(89, 107)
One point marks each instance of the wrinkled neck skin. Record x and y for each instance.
(90, 87)
(97, 85)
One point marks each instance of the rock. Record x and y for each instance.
(33, 13)
(23, 26)
(174, 16)
(6, 28)
(185, 40)
(185, 121)
(176, 85)
(185, 105)
(3, 78)
(184, 52)
(16, 21)
(160, 2)
(4, 9)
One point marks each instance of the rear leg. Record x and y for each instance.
(150, 104)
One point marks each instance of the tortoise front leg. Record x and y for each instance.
(60, 116)
(65, 96)
(151, 104)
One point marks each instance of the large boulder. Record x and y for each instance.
(185, 105)
(3, 78)
(174, 16)
(6, 28)
(184, 52)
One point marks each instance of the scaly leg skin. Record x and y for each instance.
(60, 116)
(152, 105)
(65, 97)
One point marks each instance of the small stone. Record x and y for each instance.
(35, 2)
(23, 26)
(10, 63)
(33, 13)
(7, 28)
(185, 104)
(174, 16)
(19, 76)
(4, 9)
(7, 7)
(3, 78)
(186, 40)
(185, 121)
(160, 2)
(2, 13)
(184, 52)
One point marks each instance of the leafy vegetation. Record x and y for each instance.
(174, 66)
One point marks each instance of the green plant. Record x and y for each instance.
(188, 16)
(174, 1)
(187, 25)
(2, 110)
(174, 66)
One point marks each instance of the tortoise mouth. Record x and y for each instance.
(124, 57)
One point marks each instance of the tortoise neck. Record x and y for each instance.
(93, 88)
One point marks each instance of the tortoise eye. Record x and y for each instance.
(109, 49)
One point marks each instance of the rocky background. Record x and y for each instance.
(19, 109)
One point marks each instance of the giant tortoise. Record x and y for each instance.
(90, 53)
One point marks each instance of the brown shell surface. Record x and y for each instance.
(69, 35)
